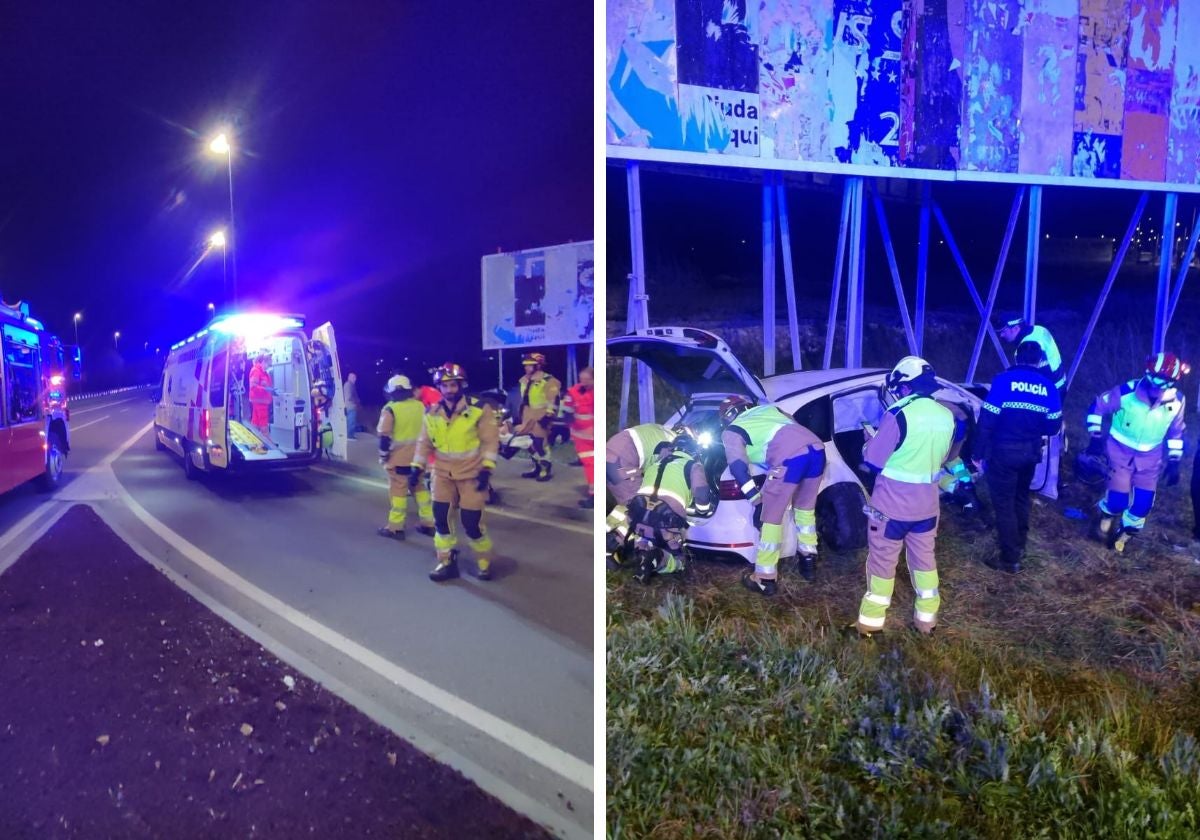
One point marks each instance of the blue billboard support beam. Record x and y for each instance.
(638, 317)
(855, 280)
(1033, 239)
(789, 279)
(886, 233)
(838, 263)
(1018, 199)
(922, 265)
(1108, 282)
(966, 275)
(1183, 270)
(1165, 259)
(768, 275)
(572, 366)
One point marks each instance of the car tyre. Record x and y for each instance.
(55, 462)
(189, 466)
(841, 523)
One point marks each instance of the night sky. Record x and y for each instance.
(381, 149)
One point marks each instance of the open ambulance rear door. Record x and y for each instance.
(337, 409)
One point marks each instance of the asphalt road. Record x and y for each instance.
(494, 678)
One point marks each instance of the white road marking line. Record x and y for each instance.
(89, 423)
(577, 527)
(101, 407)
(10, 555)
(562, 763)
(574, 770)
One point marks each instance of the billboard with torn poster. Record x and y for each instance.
(539, 297)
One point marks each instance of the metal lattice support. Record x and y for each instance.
(1162, 296)
(922, 266)
(1108, 281)
(901, 301)
(637, 315)
(966, 275)
(1033, 240)
(768, 275)
(838, 263)
(856, 280)
(789, 280)
(995, 287)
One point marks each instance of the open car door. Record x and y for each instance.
(330, 370)
(691, 360)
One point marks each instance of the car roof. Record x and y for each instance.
(787, 385)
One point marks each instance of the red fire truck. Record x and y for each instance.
(34, 419)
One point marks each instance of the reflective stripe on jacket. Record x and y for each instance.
(1138, 424)
(466, 439)
(926, 433)
(756, 427)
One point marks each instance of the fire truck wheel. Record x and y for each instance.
(55, 461)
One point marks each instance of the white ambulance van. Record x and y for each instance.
(204, 412)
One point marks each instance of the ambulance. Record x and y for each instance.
(34, 419)
(252, 392)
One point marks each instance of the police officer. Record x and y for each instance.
(627, 455)
(907, 451)
(1015, 329)
(1146, 412)
(462, 432)
(539, 405)
(794, 461)
(673, 488)
(1021, 408)
(399, 427)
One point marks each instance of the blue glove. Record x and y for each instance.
(483, 479)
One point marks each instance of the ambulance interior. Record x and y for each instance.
(284, 426)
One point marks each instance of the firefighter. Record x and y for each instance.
(539, 403)
(907, 452)
(1021, 408)
(462, 432)
(955, 481)
(627, 455)
(262, 390)
(1146, 412)
(673, 488)
(1016, 330)
(793, 459)
(579, 406)
(399, 427)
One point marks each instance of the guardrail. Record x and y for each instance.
(92, 394)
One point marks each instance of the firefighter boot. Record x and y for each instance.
(647, 564)
(535, 471)
(1102, 527)
(544, 470)
(447, 567)
(1119, 539)
(806, 562)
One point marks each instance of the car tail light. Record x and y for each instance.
(729, 489)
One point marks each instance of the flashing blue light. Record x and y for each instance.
(256, 324)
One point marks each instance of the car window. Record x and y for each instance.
(816, 416)
(852, 409)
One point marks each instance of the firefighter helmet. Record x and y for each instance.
(731, 407)
(533, 359)
(1165, 369)
(908, 371)
(450, 372)
(396, 384)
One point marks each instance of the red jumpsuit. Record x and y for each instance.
(260, 398)
(581, 403)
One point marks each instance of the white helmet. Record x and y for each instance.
(908, 370)
(398, 382)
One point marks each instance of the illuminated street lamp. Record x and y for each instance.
(78, 315)
(220, 146)
(116, 340)
(211, 310)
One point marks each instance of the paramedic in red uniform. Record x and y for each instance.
(261, 391)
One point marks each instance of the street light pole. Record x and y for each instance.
(219, 145)
(78, 315)
(116, 340)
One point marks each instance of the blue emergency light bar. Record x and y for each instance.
(250, 324)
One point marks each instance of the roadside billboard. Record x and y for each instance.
(539, 297)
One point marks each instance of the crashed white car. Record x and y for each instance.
(835, 404)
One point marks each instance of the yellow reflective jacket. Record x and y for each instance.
(539, 397)
(465, 439)
(401, 420)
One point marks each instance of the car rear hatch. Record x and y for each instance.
(690, 360)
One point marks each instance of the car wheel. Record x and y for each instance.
(841, 523)
(189, 465)
(55, 462)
